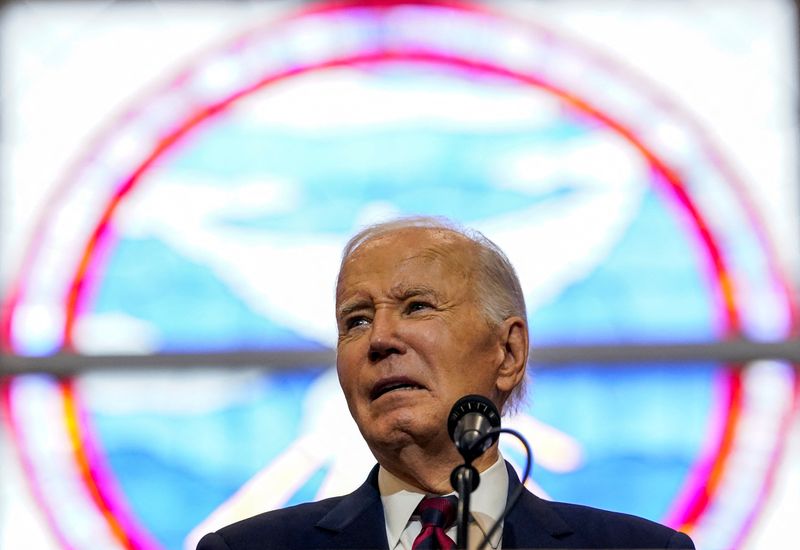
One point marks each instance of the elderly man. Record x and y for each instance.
(428, 312)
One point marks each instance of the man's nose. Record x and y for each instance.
(384, 337)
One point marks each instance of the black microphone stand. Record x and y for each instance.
(464, 479)
(471, 425)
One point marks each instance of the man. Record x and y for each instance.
(428, 312)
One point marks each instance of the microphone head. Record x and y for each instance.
(472, 417)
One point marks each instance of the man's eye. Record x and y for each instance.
(356, 321)
(417, 306)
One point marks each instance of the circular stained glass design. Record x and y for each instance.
(212, 215)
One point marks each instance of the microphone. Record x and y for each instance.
(472, 417)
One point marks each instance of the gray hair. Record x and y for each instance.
(498, 289)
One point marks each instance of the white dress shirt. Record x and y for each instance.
(400, 500)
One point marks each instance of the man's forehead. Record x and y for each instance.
(413, 249)
(409, 245)
(416, 240)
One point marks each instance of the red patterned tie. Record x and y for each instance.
(436, 514)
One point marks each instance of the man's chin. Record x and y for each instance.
(396, 433)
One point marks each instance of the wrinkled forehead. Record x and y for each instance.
(402, 249)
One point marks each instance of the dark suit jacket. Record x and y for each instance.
(356, 521)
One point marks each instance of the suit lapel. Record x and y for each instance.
(532, 523)
(357, 521)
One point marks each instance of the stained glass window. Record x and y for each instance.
(179, 181)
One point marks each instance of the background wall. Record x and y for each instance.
(178, 180)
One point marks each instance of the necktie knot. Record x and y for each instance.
(438, 511)
(436, 514)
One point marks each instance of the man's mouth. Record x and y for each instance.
(394, 384)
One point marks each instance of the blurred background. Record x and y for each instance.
(177, 180)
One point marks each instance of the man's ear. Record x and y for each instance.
(514, 340)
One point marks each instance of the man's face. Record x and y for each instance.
(412, 337)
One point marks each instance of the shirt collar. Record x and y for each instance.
(487, 502)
